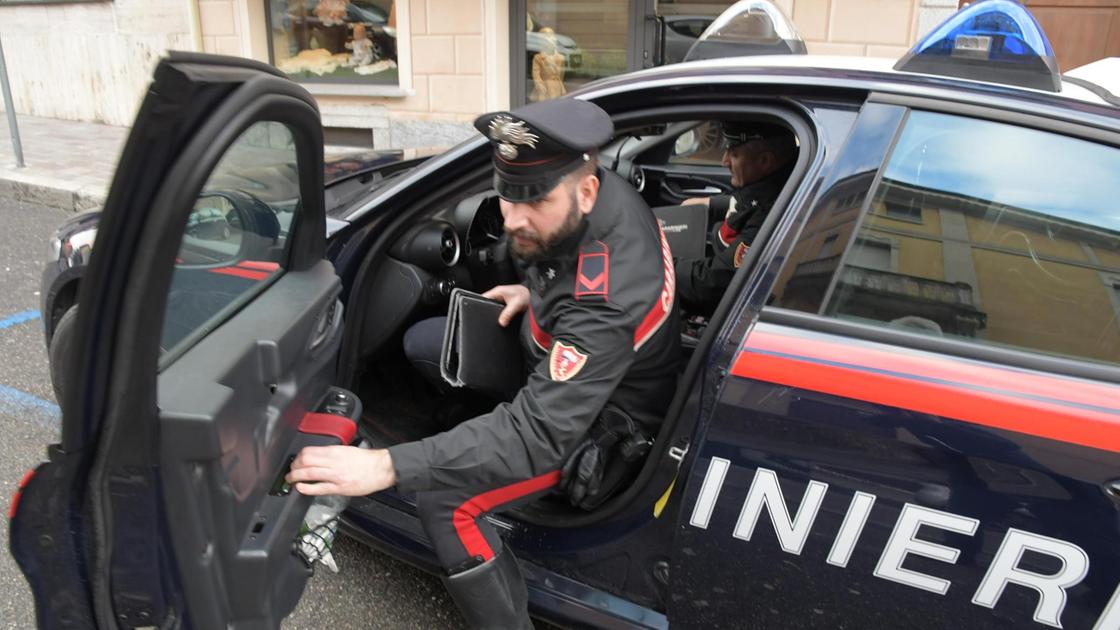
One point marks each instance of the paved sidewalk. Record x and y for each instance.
(69, 165)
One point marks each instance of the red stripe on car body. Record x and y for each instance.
(1052, 407)
(248, 274)
(259, 265)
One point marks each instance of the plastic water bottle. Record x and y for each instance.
(320, 526)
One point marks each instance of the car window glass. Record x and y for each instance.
(699, 146)
(994, 233)
(236, 234)
(688, 28)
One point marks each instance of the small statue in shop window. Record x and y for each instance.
(361, 47)
(548, 70)
(332, 12)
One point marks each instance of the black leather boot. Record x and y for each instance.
(492, 595)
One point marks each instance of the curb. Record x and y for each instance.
(54, 192)
(50, 192)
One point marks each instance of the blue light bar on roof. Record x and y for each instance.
(990, 40)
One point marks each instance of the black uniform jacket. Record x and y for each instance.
(602, 327)
(737, 218)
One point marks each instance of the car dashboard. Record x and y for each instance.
(462, 246)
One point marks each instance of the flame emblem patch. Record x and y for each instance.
(740, 252)
(565, 361)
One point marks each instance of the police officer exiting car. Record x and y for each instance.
(600, 330)
(760, 157)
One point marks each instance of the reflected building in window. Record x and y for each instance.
(958, 265)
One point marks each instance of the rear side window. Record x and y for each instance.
(985, 231)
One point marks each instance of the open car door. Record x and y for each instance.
(207, 337)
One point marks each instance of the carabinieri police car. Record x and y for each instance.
(905, 411)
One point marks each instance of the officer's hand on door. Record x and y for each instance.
(515, 297)
(345, 470)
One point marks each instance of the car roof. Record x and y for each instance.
(1104, 74)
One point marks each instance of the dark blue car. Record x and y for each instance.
(905, 411)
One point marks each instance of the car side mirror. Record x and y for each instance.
(226, 228)
(687, 143)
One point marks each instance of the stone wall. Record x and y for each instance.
(89, 62)
(222, 27)
(872, 28)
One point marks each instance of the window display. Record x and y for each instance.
(568, 46)
(336, 41)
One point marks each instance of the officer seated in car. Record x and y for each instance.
(760, 158)
(603, 347)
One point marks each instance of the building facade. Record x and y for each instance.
(396, 73)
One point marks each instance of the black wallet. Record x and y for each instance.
(478, 352)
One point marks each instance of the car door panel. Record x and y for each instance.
(171, 451)
(671, 184)
(848, 456)
(222, 458)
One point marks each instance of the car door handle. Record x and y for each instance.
(1112, 489)
(707, 190)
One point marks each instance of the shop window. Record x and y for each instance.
(567, 46)
(335, 41)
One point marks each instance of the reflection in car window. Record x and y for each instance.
(699, 146)
(236, 233)
(993, 233)
(689, 28)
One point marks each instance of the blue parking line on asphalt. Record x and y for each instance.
(14, 401)
(18, 318)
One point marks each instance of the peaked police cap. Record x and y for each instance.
(535, 146)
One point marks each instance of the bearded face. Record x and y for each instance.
(536, 229)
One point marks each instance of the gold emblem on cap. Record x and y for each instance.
(508, 133)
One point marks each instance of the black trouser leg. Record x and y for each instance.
(423, 343)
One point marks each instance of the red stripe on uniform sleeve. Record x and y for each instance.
(540, 337)
(664, 305)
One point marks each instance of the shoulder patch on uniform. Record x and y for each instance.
(565, 361)
(740, 252)
(593, 272)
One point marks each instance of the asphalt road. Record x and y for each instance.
(370, 591)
